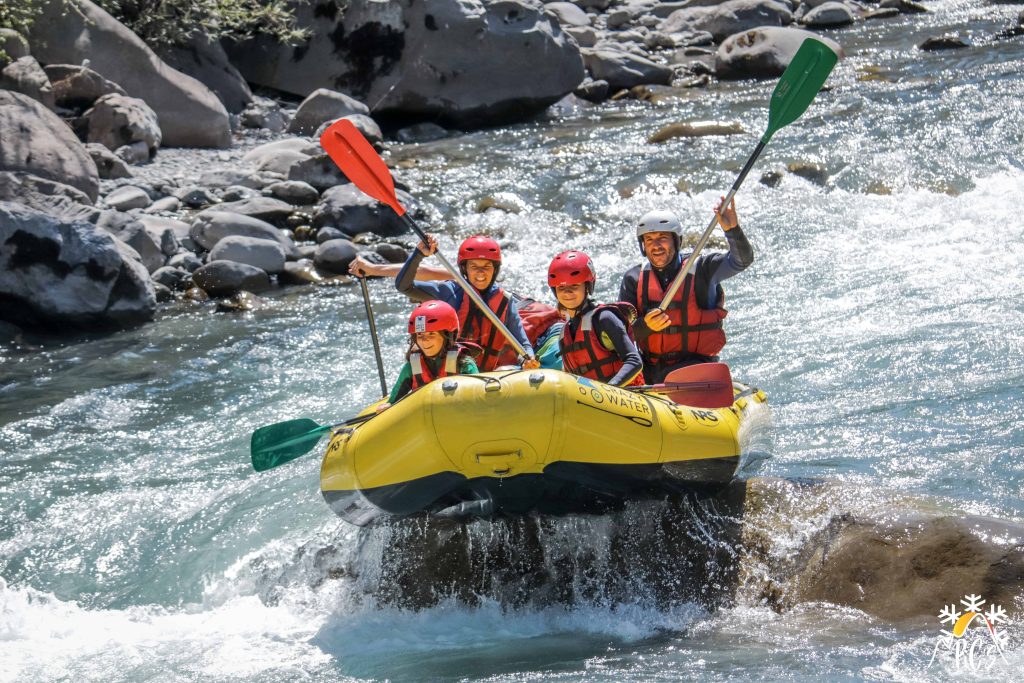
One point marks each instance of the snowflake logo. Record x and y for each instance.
(949, 614)
(997, 615)
(972, 603)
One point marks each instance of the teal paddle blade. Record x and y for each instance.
(282, 442)
(800, 82)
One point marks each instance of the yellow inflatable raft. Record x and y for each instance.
(528, 440)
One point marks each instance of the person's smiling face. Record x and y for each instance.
(480, 272)
(430, 343)
(660, 248)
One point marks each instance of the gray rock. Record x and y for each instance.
(729, 17)
(264, 208)
(57, 274)
(301, 272)
(816, 173)
(904, 6)
(78, 87)
(48, 196)
(189, 114)
(127, 197)
(327, 233)
(166, 232)
(696, 129)
(624, 70)
(392, 253)
(108, 165)
(348, 208)
(24, 75)
(118, 120)
(593, 91)
(233, 193)
(364, 124)
(186, 261)
(148, 247)
(264, 112)
(169, 276)
(37, 142)
(165, 204)
(333, 256)
(584, 36)
(763, 52)
(204, 60)
(318, 171)
(226, 278)
(195, 196)
(457, 62)
(211, 226)
(293, 192)
(137, 152)
(567, 14)
(943, 42)
(324, 105)
(264, 254)
(829, 14)
(421, 132)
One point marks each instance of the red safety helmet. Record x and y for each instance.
(479, 246)
(434, 316)
(570, 268)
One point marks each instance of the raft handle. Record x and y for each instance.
(517, 454)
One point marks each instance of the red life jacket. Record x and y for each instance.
(699, 332)
(537, 318)
(423, 375)
(583, 353)
(476, 328)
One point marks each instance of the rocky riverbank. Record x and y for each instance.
(125, 182)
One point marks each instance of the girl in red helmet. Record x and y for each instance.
(597, 341)
(480, 262)
(433, 350)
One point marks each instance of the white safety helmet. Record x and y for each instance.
(659, 220)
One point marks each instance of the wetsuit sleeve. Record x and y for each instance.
(402, 385)
(712, 269)
(609, 326)
(417, 290)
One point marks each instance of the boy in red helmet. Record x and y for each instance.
(433, 350)
(597, 341)
(480, 262)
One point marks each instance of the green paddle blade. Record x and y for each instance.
(279, 443)
(798, 85)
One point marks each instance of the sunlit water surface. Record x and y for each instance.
(882, 317)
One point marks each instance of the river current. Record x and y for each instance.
(882, 317)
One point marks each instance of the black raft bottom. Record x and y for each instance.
(564, 488)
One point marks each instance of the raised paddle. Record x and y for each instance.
(795, 91)
(282, 442)
(704, 385)
(361, 164)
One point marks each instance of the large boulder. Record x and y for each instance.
(56, 273)
(117, 120)
(190, 115)
(729, 17)
(352, 211)
(324, 105)
(763, 52)
(27, 77)
(225, 278)
(467, 63)
(48, 196)
(211, 226)
(264, 254)
(35, 141)
(205, 60)
(12, 44)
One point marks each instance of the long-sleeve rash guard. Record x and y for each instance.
(708, 273)
(611, 330)
(451, 293)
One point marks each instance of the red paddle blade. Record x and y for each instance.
(359, 161)
(716, 391)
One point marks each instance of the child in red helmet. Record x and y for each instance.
(433, 350)
(480, 262)
(597, 341)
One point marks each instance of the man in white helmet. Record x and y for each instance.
(690, 330)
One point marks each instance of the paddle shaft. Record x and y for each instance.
(688, 266)
(469, 289)
(373, 335)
